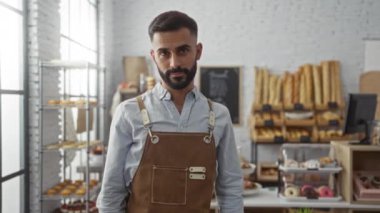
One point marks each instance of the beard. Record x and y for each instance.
(179, 82)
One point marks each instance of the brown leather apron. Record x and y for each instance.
(176, 172)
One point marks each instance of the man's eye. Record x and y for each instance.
(183, 51)
(163, 54)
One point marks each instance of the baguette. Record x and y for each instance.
(265, 86)
(317, 85)
(296, 88)
(272, 88)
(287, 88)
(258, 85)
(302, 88)
(332, 81)
(278, 90)
(325, 82)
(338, 83)
(309, 83)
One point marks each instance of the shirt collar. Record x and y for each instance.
(164, 94)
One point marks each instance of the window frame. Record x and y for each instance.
(23, 173)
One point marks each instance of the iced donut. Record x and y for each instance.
(376, 180)
(325, 191)
(292, 191)
(309, 191)
(290, 163)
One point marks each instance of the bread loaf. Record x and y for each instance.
(258, 85)
(302, 88)
(308, 83)
(288, 88)
(296, 88)
(338, 83)
(325, 82)
(278, 90)
(272, 88)
(265, 86)
(332, 81)
(317, 85)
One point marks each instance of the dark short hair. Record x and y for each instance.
(172, 21)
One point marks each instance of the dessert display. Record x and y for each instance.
(307, 171)
(367, 185)
(70, 188)
(77, 207)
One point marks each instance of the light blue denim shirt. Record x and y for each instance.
(127, 139)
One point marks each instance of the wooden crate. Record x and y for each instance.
(355, 158)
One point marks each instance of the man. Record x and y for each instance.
(170, 146)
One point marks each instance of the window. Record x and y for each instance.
(13, 169)
(79, 43)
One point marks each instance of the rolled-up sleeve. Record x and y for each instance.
(113, 192)
(229, 182)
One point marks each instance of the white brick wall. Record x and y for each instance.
(44, 42)
(280, 34)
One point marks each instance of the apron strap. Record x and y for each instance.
(145, 119)
(211, 122)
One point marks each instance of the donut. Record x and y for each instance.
(291, 163)
(292, 191)
(376, 180)
(325, 191)
(309, 191)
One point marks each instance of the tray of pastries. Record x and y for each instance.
(69, 188)
(367, 186)
(307, 192)
(322, 164)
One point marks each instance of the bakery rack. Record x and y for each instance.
(87, 102)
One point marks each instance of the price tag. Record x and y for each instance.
(268, 123)
(305, 139)
(267, 108)
(333, 123)
(278, 139)
(333, 105)
(298, 106)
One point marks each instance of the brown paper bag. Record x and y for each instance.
(133, 67)
(81, 120)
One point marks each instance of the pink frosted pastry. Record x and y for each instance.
(325, 191)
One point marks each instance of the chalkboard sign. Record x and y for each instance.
(222, 85)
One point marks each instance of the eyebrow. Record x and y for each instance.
(177, 48)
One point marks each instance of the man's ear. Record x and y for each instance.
(152, 55)
(199, 51)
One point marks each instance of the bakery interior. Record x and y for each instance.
(301, 79)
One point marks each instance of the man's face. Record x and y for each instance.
(175, 54)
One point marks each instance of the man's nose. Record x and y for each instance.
(174, 61)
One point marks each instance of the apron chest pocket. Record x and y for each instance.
(169, 185)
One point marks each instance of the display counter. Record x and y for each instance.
(268, 198)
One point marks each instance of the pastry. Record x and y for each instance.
(53, 102)
(325, 191)
(309, 191)
(312, 164)
(65, 192)
(292, 191)
(327, 162)
(51, 192)
(80, 192)
(376, 181)
(249, 185)
(290, 163)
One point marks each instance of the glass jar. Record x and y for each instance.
(375, 137)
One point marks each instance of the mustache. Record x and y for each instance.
(176, 70)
